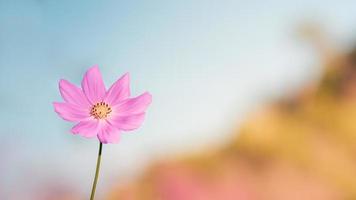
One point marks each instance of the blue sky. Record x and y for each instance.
(206, 63)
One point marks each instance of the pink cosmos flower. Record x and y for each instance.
(100, 112)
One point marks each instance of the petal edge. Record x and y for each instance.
(119, 91)
(70, 112)
(128, 123)
(72, 94)
(133, 106)
(93, 85)
(109, 134)
(88, 128)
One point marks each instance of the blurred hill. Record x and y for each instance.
(300, 147)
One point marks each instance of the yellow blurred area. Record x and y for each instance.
(300, 147)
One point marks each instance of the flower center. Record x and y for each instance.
(100, 110)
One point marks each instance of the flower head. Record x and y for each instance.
(100, 112)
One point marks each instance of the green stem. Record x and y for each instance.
(96, 172)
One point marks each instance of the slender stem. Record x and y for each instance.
(96, 172)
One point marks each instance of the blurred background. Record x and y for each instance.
(251, 100)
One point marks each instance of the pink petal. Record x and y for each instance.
(93, 85)
(109, 134)
(71, 112)
(72, 94)
(128, 123)
(132, 106)
(119, 91)
(88, 128)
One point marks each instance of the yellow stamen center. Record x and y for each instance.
(100, 110)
